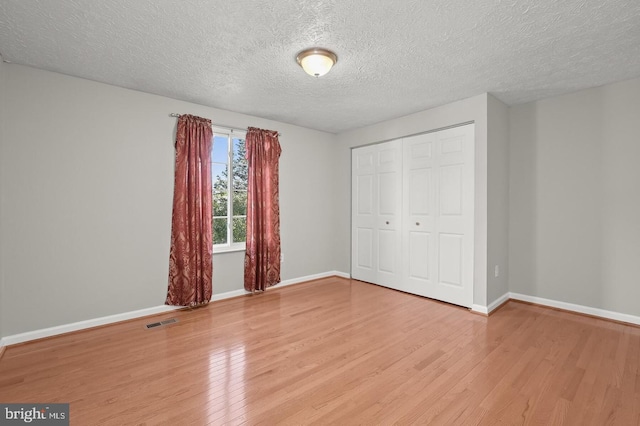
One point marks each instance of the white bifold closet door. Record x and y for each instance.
(437, 230)
(412, 214)
(376, 213)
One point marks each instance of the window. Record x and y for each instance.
(229, 177)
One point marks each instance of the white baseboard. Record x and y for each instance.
(486, 310)
(236, 293)
(499, 301)
(228, 295)
(480, 309)
(80, 325)
(313, 277)
(617, 316)
(342, 274)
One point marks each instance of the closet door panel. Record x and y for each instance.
(389, 208)
(451, 190)
(364, 194)
(363, 218)
(376, 213)
(418, 217)
(364, 254)
(454, 217)
(438, 173)
(420, 193)
(419, 243)
(450, 259)
(386, 255)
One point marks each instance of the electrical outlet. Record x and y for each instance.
(497, 271)
(281, 257)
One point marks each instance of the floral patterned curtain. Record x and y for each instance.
(190, 261)
(262, 257)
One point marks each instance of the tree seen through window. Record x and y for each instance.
(229, 170)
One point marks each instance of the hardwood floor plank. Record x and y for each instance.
(560, 412)
(337, 351)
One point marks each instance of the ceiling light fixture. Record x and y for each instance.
(316, 61)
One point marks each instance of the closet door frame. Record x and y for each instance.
(397, 273)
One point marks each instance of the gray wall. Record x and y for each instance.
(86, 178)
(86, 208)
(472, 109)
(498, 199)
(574, 198)
(3, 98)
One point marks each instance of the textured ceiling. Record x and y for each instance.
(394, 57)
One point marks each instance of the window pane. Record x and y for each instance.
(220, 152)
(240, 165)
(220, 230)
(220, 204)
(239, 229)
(229, 178)
(219, 177)
(239, 203)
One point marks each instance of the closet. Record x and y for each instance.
(413, 213)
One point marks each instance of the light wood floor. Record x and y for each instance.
(341, 352)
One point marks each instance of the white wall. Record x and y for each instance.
(574, 198)
(498, 199)
(86, 207)
(472, 109)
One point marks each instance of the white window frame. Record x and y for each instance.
(230, 134)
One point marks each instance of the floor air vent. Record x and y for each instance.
(161, 323)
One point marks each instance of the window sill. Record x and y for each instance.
(232, 249)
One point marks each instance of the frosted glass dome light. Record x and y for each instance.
(316, 61)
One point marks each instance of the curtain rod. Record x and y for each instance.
(173, 114)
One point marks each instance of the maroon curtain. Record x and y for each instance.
(190, 266)
(262, 258)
